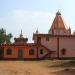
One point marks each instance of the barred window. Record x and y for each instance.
(47, 38)
(31, 52)
(41, 51)
(1, 51)
(63, 51)
(9, 51)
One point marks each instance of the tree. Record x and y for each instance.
(8, 37)
(5, 37)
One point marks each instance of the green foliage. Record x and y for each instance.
(5, 37)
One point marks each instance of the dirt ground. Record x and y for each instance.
(27, 68)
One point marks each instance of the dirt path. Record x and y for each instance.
(26, 68)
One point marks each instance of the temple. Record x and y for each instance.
(59, 43)
(58, 27)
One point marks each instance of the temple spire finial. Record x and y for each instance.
(37, 31)
(21, 35)
(58, 13)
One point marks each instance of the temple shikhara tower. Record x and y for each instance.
(58, 27)
(59, 43)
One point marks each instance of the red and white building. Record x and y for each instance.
(59, 39)
(58, 43)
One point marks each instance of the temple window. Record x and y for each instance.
(39, 40)
(63, 51)
(47, 38)
(41, 51)
(1, 51)
(31, 52)
(9, 51)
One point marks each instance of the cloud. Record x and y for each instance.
(28, 21)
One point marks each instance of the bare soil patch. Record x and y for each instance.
(36, 68)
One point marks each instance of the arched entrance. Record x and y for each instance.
(20, 54)
(1, 53)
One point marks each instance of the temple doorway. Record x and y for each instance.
(20, 54)
(1, 53)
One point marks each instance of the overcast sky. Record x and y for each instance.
(30, 15)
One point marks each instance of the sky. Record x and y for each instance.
(30, 15)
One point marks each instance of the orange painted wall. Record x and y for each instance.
(15, 51)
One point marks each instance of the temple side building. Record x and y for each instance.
(58, 43)
(59, 39)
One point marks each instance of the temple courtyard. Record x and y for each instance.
(43, 67)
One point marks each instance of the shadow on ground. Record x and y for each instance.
(64, 64)
(65, 72)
